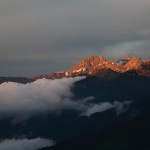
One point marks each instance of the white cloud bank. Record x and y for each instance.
(43, 96)
(25, 144)
(40, 96)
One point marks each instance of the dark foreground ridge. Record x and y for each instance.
(132, 135)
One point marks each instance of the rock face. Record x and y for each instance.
(57, 75)
(94, 65)
(99, 66)
(144, 69)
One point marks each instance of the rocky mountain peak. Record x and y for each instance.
(86, 66)
(102, 59)
(99, 66)
(133, 63)
(94, 64)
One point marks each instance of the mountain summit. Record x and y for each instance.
(93, 64)
(99, 66)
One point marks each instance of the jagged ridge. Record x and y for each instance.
(93, 64)
(99, 66)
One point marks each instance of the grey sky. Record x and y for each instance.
(44, 36)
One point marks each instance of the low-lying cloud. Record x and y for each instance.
(93, 108)
(46, 96)
(41, 96)
(25, 144)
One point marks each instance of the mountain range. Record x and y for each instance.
(116, 97)
(94, 66)
(100, 67)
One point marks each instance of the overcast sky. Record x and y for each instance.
(44, 36)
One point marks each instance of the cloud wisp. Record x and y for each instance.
(94, 108)
(46, 96)
(25, 144)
